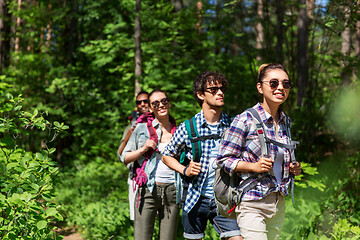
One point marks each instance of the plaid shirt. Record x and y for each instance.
(180, 141)
(241, 143)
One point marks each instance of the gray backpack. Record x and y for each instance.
(227, 191)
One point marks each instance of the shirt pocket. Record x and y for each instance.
(141, 140)
(252, 147)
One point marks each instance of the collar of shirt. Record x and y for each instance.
(223, 122)
(266, 117)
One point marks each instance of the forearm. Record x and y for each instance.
(134, 155)
(262, 165)
(172, 163)
(245, 166)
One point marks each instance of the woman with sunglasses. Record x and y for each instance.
(158, 197)
(261, 212)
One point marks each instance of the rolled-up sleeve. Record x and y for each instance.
(232, 145)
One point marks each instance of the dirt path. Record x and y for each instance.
(73, 236)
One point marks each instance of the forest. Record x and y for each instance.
(70, 71)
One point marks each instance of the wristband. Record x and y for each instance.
(185, 170)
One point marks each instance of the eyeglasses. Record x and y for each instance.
(138, 102)
(156, 104)
(274, 83)
(214, 90)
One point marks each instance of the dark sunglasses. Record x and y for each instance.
(138, 102)
(156, 104)
(214, 90)
(274, 83)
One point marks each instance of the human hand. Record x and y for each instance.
(194, 168)
(295, 168)
(149, 144)
(264, 164)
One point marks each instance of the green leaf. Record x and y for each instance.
(12, 165)
(52, 150)
(51, 212)
(39, 156)
(57, 124)
(41, 224)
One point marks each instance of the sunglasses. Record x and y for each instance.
(156, 104)
(214, 90)
(274, 83)
(138, 102)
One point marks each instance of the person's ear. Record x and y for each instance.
(259, 88)
(200, 95)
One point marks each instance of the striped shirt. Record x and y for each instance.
(180, 141)
(241, 143)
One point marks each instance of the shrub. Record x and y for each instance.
(27, 210)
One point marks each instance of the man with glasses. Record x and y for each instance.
(199, 204)
(142, 106)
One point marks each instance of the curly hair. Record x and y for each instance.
(204, 79)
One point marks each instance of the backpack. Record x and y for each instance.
(227, 190)
(139, 175)
(195, 139)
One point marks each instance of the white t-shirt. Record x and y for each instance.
(163, 173)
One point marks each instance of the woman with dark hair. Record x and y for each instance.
(261, 212)
(159, 195)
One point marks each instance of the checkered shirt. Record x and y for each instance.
(241, 143)
(180, 141)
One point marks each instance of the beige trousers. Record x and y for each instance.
(262, 219)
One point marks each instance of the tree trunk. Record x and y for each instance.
(280, 30)
(199, 6)
(357, 34)
(48, 29)
(259, 29)
(5, 30)
(178, 4)
(71, 34)
(346, 47)
(137, 47)
(302, 40)
(18, 23)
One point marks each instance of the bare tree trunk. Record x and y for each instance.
(280, 30)
(199, 6)
(137, 47)
(178, 4)
(259, 29)
(72, 36)
(302, 40)
(5, 31)
(48, 29)
(357, 38)
(18, 23)
(346, 46)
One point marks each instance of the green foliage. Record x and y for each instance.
(318, 213)
(344, 230)
(345, 116)
(75, 64)
(27, 210)
(95, 199)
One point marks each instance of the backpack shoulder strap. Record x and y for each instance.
(153, 136)
(190, 125)
(260, 130)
